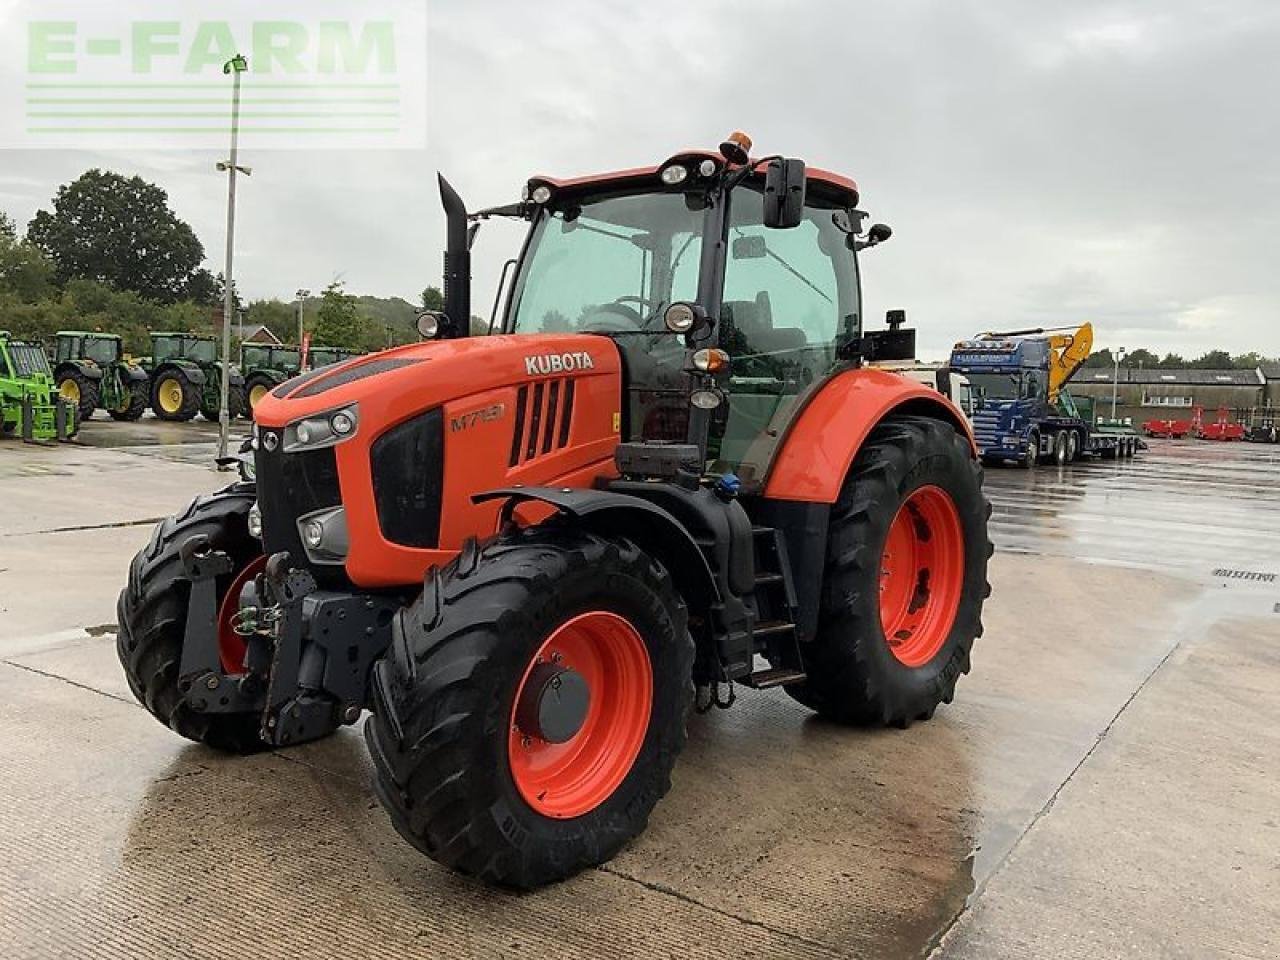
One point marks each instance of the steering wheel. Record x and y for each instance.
(619, 309)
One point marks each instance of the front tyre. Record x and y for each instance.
(81, 392)
(152, 611)
(906, 577)
(174, 397)
(531, 706)
(133, 402)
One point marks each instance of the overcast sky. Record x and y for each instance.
(1041, 163)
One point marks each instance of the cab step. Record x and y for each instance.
(777, 677)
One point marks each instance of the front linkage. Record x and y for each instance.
(308, 652)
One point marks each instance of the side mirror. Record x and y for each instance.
(895, 318)
(750, 248)
(878, 234)
(432, 325)
(784, 189)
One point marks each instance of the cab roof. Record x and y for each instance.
(87, 333)
(832, 186)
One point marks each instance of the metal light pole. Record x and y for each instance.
(235, 66)
(301, 295)
(1115, 383)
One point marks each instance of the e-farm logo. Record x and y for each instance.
(144, 73)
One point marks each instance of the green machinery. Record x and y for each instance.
(186, 378)
(319, 357)
(266, 366)
(29, 403)
(92, 371)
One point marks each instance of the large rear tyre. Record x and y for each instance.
(905, 580)
(256, 387)
(152, 611)
(531, 706)
(174, 397)
(134, 403)
(77, 389)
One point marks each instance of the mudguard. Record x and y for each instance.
(821, 443)
(190, 370)
(652, 528)
(86, 368)
(132, 373)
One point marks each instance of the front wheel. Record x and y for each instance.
(174, 397)
(152, 611)
(1032, 456)
(906, 578)
(133, 402)
(530, 708)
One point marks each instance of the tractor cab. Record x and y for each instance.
(102, 349)
(183, 346)
(731, 290)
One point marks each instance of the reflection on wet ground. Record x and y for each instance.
(1182, 506)
(783, 836)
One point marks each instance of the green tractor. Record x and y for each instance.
(29, 403)
(186, 378)
(266, 366)
(92, 371)
(319, 357)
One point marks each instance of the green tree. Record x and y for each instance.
(1213, 360)
(278, 317)
(1172, 360)
(432, 299)
(119, 231)
(1141, 358)
(24, 271)
(338, 323)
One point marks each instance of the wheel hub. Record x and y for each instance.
(553, 705)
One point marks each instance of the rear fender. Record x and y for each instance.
(132, 373)
(86, 369)
(825, 437)
(189, 370)
(609, 514)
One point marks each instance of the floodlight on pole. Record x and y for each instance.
(234, 67)
(1115, 383)
(302, 295)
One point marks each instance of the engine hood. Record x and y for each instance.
(397, 384)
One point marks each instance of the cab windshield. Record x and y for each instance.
(610, 265)
(994, 386)
(102, 350)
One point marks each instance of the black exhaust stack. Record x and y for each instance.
(457, 262)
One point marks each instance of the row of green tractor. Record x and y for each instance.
(181, 378)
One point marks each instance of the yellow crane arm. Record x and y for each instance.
(1068, 352)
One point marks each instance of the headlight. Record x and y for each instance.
(675, 174)
(324, 535)
(322, 429)
(680, 318)
(541, 194)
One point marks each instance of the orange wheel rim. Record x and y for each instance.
(231, 646)
(921, 576)
(573, 777)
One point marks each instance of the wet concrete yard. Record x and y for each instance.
(1107, 782)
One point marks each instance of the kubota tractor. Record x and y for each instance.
(530, 554)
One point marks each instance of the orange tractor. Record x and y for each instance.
(670, 475)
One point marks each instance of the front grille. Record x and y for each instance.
(408, 480)
(544, 415)
(291, 485)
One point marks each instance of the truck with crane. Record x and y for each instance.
(1021, 409)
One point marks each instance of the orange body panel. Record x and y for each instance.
(471, 376)
(820, 446)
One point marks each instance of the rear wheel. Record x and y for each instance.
(905, 581)
(1073, 446)
(79, 391)
(152, 611)
(256, 388)
(133, 403)
(531, 706)
(174, 397)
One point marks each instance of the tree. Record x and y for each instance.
(1100, 358)
(119, 231)
(1213, 360)
(1141, 358)
(432, 299)
(278, 317)
(24, 271)
(338, 323)
(1170, 360)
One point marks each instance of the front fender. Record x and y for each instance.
(819, 448)
(132, 373)
(606, 513)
